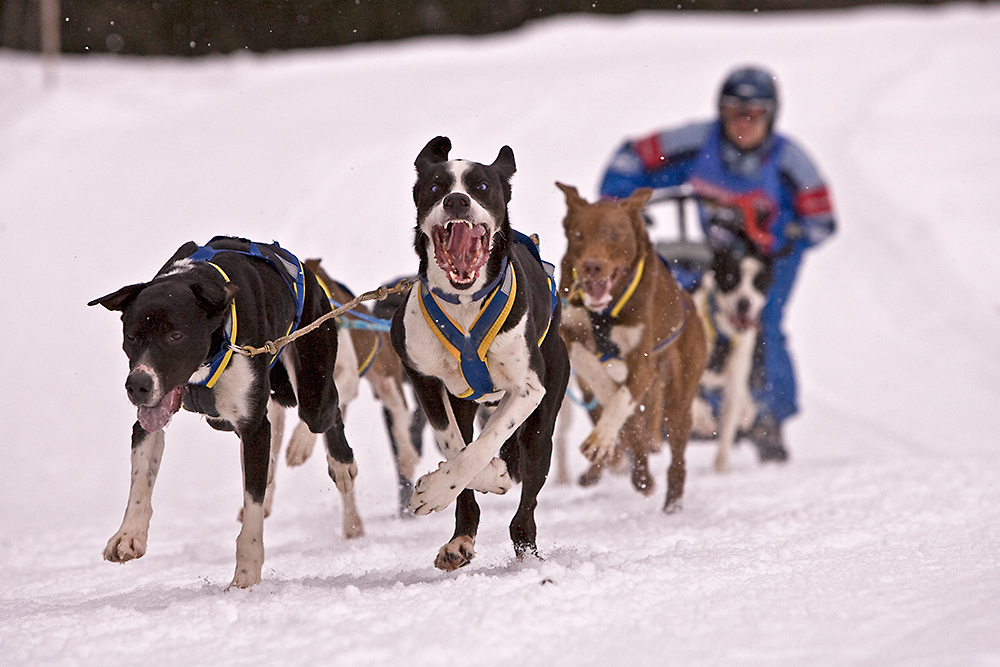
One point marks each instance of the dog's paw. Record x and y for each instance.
(493, 479)
(300, 446)
(125, 546)
(597, 450)
(529, 549)
(246, 575)
(457, 553)
(436, 490)
(642, 480)
(342, 474)
(407, 460)
(591, 477)
(703, 422)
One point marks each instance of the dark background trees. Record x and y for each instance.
(199, 27)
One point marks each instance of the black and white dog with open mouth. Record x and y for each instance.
(482, 326)
(183, 331)
(731, 297)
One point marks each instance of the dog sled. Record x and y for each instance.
(685, 252)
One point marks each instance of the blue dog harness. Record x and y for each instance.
(354, 319)
(290, 269)
(470, 348)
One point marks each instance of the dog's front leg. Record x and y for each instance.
(438, 489)
(616, 400)
(130, 540)
(255, 445)
(436, 403)
(736, 396)
(493, 477)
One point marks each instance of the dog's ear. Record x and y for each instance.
(633, 208)
(637, 200)
(434, 152)
(183, 252)
(214, 298)
(121, 299)
(573, 197)
(505, 162)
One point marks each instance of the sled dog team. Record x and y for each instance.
(485, 323)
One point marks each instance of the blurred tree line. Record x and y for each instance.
(199, 27)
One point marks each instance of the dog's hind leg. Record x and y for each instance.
(397, 415)
(130, 540)
(343, 469)
(560, 446)
(275, 415)
(679, 428)
(534, 441)
(685, 373)
(636, 440)
(353, 528)
(345, 369)
(300, 445)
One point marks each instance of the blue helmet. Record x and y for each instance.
(748, 85)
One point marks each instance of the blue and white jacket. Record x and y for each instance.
(777, 179)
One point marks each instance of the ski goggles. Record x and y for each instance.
(735, 108)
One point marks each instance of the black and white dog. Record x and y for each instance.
(482, 326)
(731, 297)
(183, 331)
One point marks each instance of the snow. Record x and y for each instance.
(878, 544)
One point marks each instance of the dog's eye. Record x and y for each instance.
(482, 186)
(726, 280)
(435, 187)
(176, 336)
(762, 281)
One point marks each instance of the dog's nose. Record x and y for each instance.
(591, 268)
(457, 204)
(138, 385)
(743, 307)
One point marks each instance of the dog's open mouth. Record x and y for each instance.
(597, 292)
(742, 323)
(155, 417)
(461, 248)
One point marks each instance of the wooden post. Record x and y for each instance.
(51, 39)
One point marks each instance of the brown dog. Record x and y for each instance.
(368, 353)
(635, 341)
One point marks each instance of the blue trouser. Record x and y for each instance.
(779, 394)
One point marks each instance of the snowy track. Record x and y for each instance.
(879, 544)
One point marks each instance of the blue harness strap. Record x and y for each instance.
(532, 244)
(364, 321)
(290, 269)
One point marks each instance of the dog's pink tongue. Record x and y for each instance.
(158, 416)
(598, 293)
(464, 247)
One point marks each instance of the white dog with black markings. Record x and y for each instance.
(481, 327)
(731, 297)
